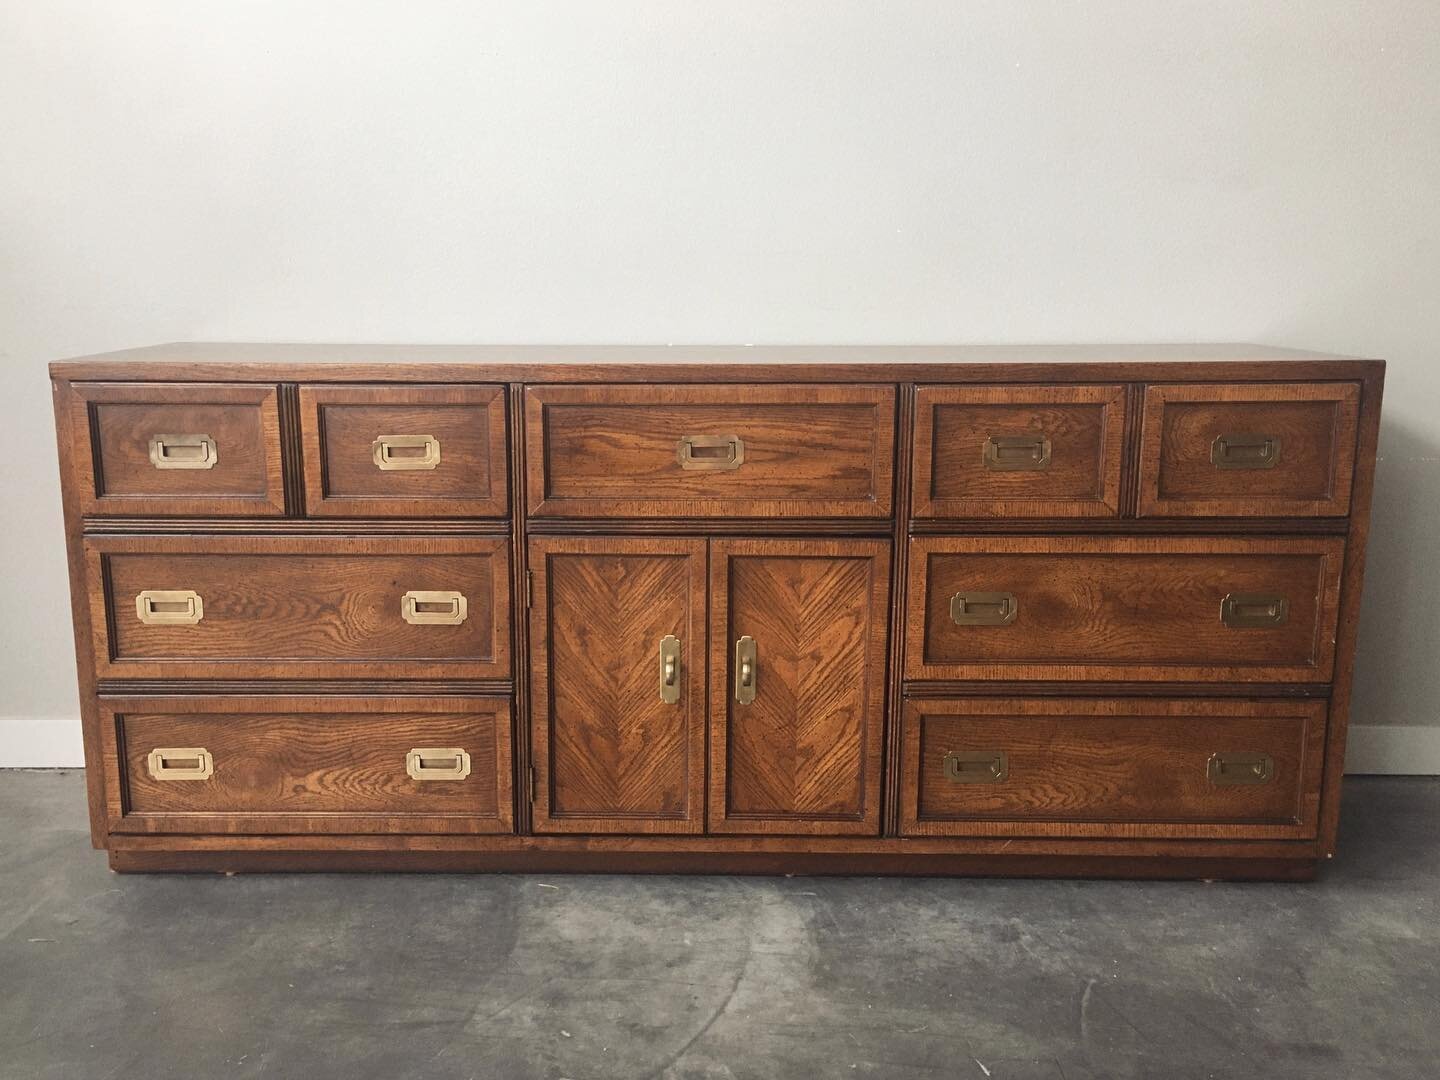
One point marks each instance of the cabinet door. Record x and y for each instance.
(796, 720)
(617, 749)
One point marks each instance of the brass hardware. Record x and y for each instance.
(669, 669)
(1228, 770)
(977, 766)
(428, 608)
(983, 608)
(180, 763)
(1242, 610)
(183, 452)
(397, 452)
(1016, 453)
(710, 453)
(1245, 450)
(745, 670)
(169, 607)
(437, 763)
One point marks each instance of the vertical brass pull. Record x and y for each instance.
(396, 452)
(1245, 450)
(180, 763)
(983, 608)
(977, 766)
(669, 669)
(746, 662)
(420, 607)
(437, 763)
(1253, 610)
(183, 452)
(1016, 453)
(1229, 770)
(169, 607)
(712, 453)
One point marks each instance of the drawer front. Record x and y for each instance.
(290, 607)
(1262, 450)
(1112, 767)
(1018, 451)
(206, 449)
(710, 451)
(307, 765)
(1123, 608)
(404, 451)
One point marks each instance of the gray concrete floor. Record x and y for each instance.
(104, 975)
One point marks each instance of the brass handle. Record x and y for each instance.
(711, 453)
(169, 607)
(669, 669)
(977, 766)
(745, 670)
(1245, 450)
(1016, 453)
(420, 607)
(983, 608)
(1252, 610)
(180, 763)
(396, 452)
(183, 452)
(1228, 770)
(437, 763)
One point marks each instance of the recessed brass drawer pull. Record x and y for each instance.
(180, 763)
(983, 608)
(183, 452)
(977, 766)
(669, 669)
(746, 662)
(1228, 770)
(712, 453)
(169, 607)
(437, 763)
(428, 608)
(397, 452)
(1254, 610)
(1245, 450)
(1016, 453)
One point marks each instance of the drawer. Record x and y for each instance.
(404, 451)
(1248, 450)
(1112, 767)
(205, 449)
(1018, 451)
(307, 765)
(210, 607)
(1123, 608)
(710, 451)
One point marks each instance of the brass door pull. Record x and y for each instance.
(420, 607)
(745, 670)
(977, 766)
(983, 608)
(1228, 770)
(1254, 610)
(180, 763)
(169, 607)
(669, 669)
(397, 452)
(1245, 450)
(183, 452)
(437, 763)
(1016, 453)
(711, 453)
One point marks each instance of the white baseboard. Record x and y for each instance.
(40, 742)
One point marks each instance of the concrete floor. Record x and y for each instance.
(311, 977)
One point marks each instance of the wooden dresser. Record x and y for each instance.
(1012, 610)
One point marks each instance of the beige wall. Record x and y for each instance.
(694, 171)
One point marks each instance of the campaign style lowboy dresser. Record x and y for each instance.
(1010, 610)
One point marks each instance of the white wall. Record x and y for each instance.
(703, 172)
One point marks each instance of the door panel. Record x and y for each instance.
(804, 755)
(610, 755)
